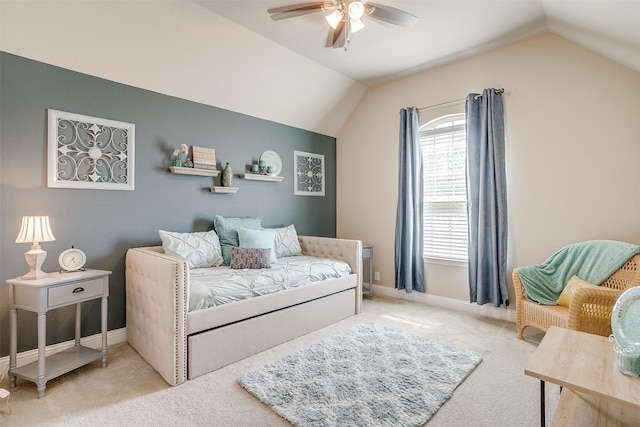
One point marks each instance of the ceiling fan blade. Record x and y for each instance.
(300, 9)
(390, 14)
(338, 36)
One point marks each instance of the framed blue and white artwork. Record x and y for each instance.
(308, 174)
(90, 152)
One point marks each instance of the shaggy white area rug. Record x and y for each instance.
(369, 375)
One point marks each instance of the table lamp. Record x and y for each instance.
(35, 229)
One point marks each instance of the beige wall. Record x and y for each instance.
(573, 152)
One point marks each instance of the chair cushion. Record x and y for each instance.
(572, 286)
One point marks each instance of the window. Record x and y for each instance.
(443, 143)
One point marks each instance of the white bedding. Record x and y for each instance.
(215, 286)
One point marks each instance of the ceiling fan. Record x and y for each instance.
(345, 17)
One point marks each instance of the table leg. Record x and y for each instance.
(78, 323)
(104, 330)
(542, 409)
(371, 275)
(42, 341)
(13, 343)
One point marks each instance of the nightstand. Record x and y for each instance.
(367, 255)
(41, 295)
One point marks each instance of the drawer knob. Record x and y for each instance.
(78, 290)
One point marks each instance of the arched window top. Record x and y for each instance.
(444, 124)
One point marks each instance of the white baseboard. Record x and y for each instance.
(444, 302)
(92, 341)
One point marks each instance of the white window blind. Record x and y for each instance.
(445, 202)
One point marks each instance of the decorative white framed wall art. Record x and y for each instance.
(89, 152)
(308, 174)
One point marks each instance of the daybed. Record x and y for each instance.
(589, 308)
(182, 344)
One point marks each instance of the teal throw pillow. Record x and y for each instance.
(262, 239)
(227, 230)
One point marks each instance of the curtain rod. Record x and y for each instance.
(501, 90)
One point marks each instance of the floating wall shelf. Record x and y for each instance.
(258, 177)
(194, 171)
(223, 190)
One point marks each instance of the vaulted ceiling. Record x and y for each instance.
(446, 31)
(230, 54)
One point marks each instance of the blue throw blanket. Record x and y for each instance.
(593, 261)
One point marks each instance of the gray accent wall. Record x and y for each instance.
(105, 223)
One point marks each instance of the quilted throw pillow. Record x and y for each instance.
(200, 249)
(227, 229)
(250, 258)
(287, 243)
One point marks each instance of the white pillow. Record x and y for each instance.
(287, 243)
(200, 249)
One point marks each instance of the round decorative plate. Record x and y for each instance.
(625, 318)
(272, 159)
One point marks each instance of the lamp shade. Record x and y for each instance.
(356, 25)
(334, 19)
(35, 229)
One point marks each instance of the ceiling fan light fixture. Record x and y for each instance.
(356, 10)
(356, 25)
(334, 19)
(345, 16)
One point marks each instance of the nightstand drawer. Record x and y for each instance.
(74, 292)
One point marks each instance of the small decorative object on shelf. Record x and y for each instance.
(180, 157)
(227, 175)
(174, 160)
(204, 158)
(270, 159)
(184, 156)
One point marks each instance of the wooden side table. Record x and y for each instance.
(367, 255)
(54, 291)
(585, 366)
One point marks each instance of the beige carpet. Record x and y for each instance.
(129, 392)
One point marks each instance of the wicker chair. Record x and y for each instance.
(590, 309)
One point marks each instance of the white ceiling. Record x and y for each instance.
(447, 31)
